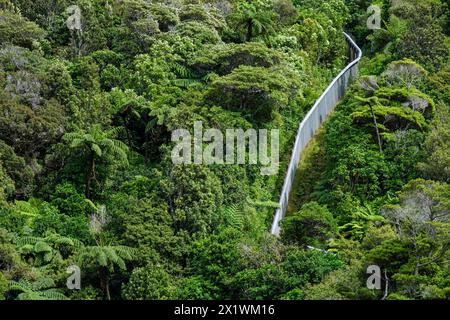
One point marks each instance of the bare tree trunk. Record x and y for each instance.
(249, 35)
(416, 269)
(124, 121)
(89, 175)
(108, 295)
(104, 283)
(380, 145)
(386, 285)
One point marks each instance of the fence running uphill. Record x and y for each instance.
(312, 122)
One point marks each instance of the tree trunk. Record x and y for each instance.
(376, 128)
(89, 175)
(107, 290)
(124, 120)
(249, 35)
(104, 283)
(386, 285)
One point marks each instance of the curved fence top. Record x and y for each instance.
(312, 122)
(355, 60)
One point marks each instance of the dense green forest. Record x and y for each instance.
(87, 108)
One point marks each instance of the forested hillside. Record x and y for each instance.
(91, 91)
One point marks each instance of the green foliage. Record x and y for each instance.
(405, 73)
(23, 99)
(165, 15)
(297, 269)
(415, 30)
(148, 227)
(216, 258)
(257, 92)
(85, 74)
(3, 286)
(44, 250)
(424, 41)
(86, 177)
(97, 145)
(224, 58)
(253, 18)
(11, 265)
(104, 259)
(42, 289)
(319, 33)
(233, 217)
(193, 195)
(394, 109)
(69, 201)
(422, 219)
(149, 283)
(362, 218)
(437, 147)
(341, 284)
(309, 266)
(439, 84)
(105, 256)
(311, 226)
(375, 116)
(15, 29)
(7, 185)
(388, 131)
(197, 288)
(390, 254)
(199, 32)
(8, 5)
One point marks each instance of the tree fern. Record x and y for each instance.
(106, 256)
(28, 209)
(185, 77)
(41, 289)
(104, 259)
(361, 217)
(43, 249)
(233, 217)
(98, 144)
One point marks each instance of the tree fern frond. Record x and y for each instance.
(98, 151)
(150, 125)
(26, 249)
(185, 83)
(181, 70)
(21, 285)
(124, 252)
(114, 132)
(119, 145)
(26, 240)
(42, 283)
(234, 217)
(53, 294)
(76, 142)
(42, 246)
(70, 136)
(265, 204)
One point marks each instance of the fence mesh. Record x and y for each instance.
(312, 122)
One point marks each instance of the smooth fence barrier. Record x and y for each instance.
(312, 122)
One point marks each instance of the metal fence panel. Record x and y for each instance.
(312, 122)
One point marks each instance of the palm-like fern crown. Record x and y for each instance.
(106, 256)
(99, 141)
(41, 289)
